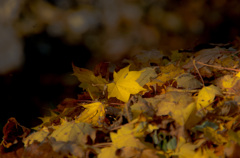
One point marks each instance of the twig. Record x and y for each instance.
(218, 67)
(198, 71)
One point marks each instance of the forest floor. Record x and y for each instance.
(153, 104)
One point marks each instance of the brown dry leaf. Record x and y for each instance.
(149, 153)
(145, 58)
(68, 148)
(146, 76)
(41, 150)
(13, 133)
(206, 56)
(102, 70)
(129, 152)
(188, 81)
(142, 107)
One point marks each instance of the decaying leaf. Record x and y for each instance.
(146, 76)
(124, 84)
(188, 81)
(13, 133)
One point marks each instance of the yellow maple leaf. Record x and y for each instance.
(178, 105)
(93, 84)
(206, 96)
(94, 114)
(38, 136)
(74, 132)
(124, 84)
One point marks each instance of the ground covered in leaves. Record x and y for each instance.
(153, 104)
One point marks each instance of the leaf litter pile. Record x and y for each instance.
(154, 104)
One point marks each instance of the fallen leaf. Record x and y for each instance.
(38, 136)
(188, 81)
(185, 149)
(168, 73)
(93, 114)
(212, 135)
(13, 133)
(146, 76)
(74, 132)
(206, 96)
(178, 105)
(206, 56)
(124, 84)
(93, 84)
(108, 152)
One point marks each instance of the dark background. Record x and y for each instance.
(41, 39)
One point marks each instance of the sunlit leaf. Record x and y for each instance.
(93, 114)
(124, 84)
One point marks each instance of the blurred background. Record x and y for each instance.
(40, 39)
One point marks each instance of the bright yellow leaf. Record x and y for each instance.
(124, 84)
(94, 114)
(206, 96)
(205, 153)
(238, 75)
(108, 152)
